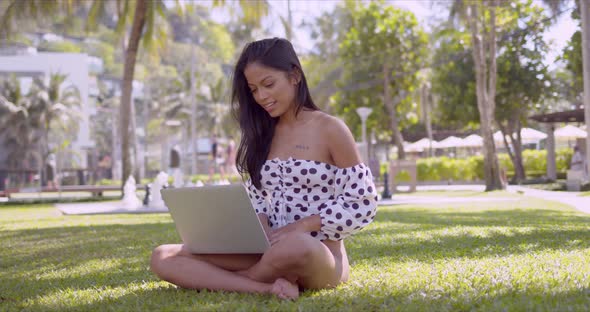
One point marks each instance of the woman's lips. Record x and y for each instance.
(269, 107)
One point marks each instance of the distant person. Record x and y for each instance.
(50, 165)
(104, 166)
(215, 160)
(230, 157)
(503, 177)
(577, 163)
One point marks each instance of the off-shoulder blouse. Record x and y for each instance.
(292, 189)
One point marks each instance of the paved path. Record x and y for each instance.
(573, 199)
(113, 207)
(408, 199)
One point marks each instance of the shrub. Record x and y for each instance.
(470, 169)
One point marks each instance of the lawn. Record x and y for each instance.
(521, 255)
(448, 194)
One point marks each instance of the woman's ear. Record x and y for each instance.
(295, 75)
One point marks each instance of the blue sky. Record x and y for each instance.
(307, 10)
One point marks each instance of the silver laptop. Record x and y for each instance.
(216, 219)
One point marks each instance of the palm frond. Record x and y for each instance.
(149, 26)
(7, 107)
(122, 15)
(218, 3)
(19, 10)
(254, 11)
(287, 27)
(96, 10)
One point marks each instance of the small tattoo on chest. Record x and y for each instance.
(301, 147)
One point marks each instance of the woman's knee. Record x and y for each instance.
(295, 250)
(160, 254)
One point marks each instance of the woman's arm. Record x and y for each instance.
(355, 204)
(341, 144)
(264, 221)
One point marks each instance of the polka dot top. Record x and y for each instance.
(345, 198)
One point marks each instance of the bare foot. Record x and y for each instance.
(284, 289)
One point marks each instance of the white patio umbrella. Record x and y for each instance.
(421, 145)
(498, 137)
(450, 142)
(570, 132)
(528, 136)
(473, 140)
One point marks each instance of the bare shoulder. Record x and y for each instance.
(339, 140)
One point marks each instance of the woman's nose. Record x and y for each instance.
(262, 95)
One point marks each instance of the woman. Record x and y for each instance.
(306, 181)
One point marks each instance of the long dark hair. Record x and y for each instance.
(257, 125)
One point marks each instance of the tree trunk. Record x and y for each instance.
(585, 13)
(193, 118)
(519, 171)
(514, 149)
(391, 104)
(486, 92)
(127, 87)
(133, 140)
(426, 108)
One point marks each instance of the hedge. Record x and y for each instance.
(471, 169)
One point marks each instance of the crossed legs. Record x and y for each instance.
(297, 260)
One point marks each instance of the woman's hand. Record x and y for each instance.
(305, 225)
(279, 234)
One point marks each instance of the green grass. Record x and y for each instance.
(526, 255)
(558, 185)
(447, 194)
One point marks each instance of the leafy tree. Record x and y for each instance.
(523, 82)
(381, 53)
(59, 46)
(572, 56)
(323, 66)
(523, 79)
(480, 19)
(582, 53)
(453, 80)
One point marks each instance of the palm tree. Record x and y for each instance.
(27, 121)
(54, 108)
(15, 138)
(144, 15)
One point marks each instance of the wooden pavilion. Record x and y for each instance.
(550, 119)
